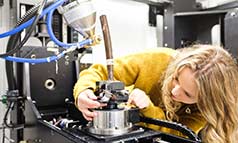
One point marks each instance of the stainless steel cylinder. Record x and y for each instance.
(110, 122)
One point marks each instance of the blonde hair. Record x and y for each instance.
(216, 76)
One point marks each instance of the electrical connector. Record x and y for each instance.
(4, 99)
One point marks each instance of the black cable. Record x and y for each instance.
(172, 125)
(2, 127)
(6, 114)
(14, 40)
(28, 33)
(29, 12)
(3, 135)
(9, 65)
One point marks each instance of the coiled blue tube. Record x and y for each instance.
(29, 22)
(55, 40)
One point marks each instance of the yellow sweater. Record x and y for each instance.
(143, 70)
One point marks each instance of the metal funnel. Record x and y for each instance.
(81, 16)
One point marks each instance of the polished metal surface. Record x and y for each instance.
(80, 15)
(110, 122)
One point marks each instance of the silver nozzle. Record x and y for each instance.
(81, 16)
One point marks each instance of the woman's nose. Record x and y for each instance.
(175, 90)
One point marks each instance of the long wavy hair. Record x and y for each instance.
(216, 76)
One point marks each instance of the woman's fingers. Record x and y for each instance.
(89, 115)
(139, 98)
(88, 100)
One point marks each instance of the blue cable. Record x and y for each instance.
(34, 61)
(44, 60)
(50, 11)
(29, 22)
(52, 36)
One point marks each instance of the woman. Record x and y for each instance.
(196, 86)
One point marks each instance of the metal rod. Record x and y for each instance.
(108, 46)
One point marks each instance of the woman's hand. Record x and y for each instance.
(86, 101)
(139, 98)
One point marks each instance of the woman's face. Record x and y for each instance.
(184, 87)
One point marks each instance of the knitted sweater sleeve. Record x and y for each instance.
(134, 69)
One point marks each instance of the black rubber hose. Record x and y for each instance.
(6, 115)
(9, 65)
(14, 40)
(172, 125)
(28, 33)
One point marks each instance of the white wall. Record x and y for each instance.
(4, 26)
(128, 25)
